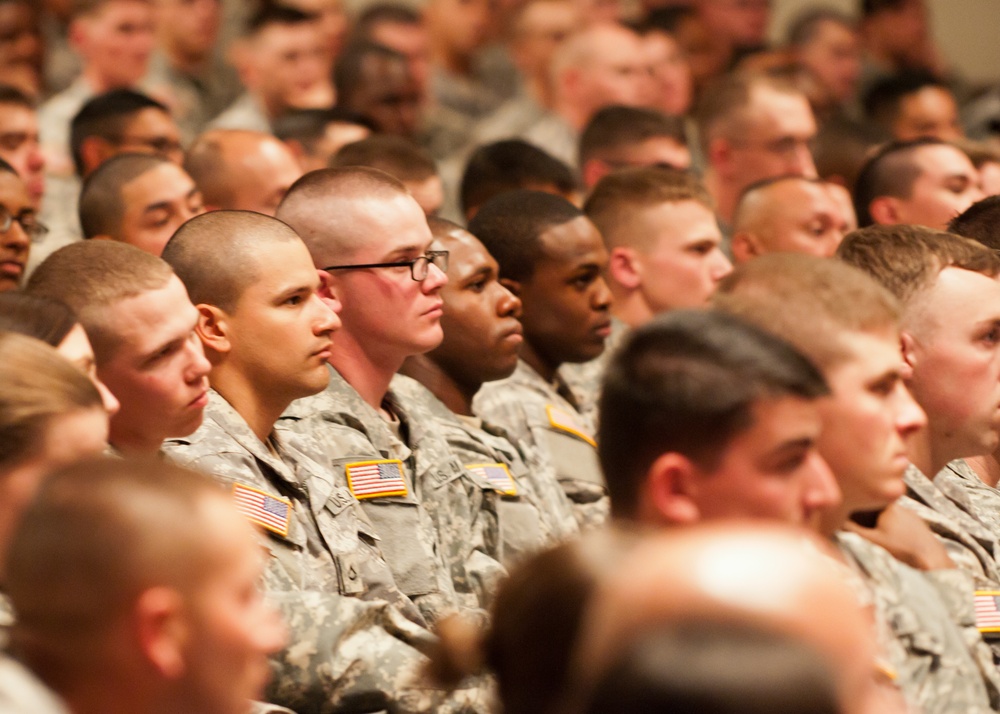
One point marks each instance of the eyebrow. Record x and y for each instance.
(401, 253)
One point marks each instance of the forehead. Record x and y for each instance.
(13, 193)
(279, 263)
(164, 182)
(775, 110)
(572, 242)
(15, 117)
(466, 254)
(118, 11)
(960, 298)
(149, 319)
(281, 37)
(797, 198)
(942, 160)
(388, 225)
(152, 120)
(866, 355)
(829, 31)
(676, 218)
(776, 420)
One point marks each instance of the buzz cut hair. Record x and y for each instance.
(891, 171)
(101, 206)
(396, 155)
(616, 127)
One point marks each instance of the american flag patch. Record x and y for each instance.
(565, 421)
(988, 610)
(260, 507)
(497, 475)
(372, 479)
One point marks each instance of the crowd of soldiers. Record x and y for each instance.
(537, 357)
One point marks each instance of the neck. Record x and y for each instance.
(725, 200)
(987, 468)
(132, 443)
(369, 373)
(97, 695)
(184, 63)
(630, 307)
(572, 114)
(921, 453)
(451, 61)
(456, 396)
(259, 411)
(97, 82)
(832, 520)
(534, 359)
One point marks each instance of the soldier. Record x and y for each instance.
(18, 227)
(162, 593)
(848, 326)
(267, 331)
(141, 324)
(551, 257)
(399, 157)
(482, 336)
(370, 235)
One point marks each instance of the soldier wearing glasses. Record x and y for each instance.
(18, 227)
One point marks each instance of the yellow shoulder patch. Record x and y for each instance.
(568, 422)
(497, 475)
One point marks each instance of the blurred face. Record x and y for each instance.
(286, 65)
(989, 178)
(670, 76)
(233, 630)
(947, 185)
(778, 130)
(954, 349)
(741, 22)
(156, 204)
(460, 26)
(410, 40)
(19, 147)
(76, 348)
(567, 304)
(868, 421)
(280, 330)
(152, 131)
(800, 217)
(771, 470)
(482, 333)
(336, 136)
(14, 243)
(541, 28)
(188, 28)
(158, 371)
(833, 57)
(616, 72)
(384, 309)
(21, 45)
(116, 41)
(685, 262)
(388, 95)
(330, 19)
(261, 175)
(429, 193)
(932, 111)
(707, 53)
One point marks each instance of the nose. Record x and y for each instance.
(198, 366)
(36, 159)
(435, 280)
(509, 304)
(910, 417)
(15, 237)
(802, 162)
(601, 299)
(722, 267)
(108, 400)
(272, 634)
(326, 319)
(821, 491)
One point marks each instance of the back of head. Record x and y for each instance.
(891, 171)
(980, 222)
(396, 155)
(810, 302)
(36, 385)
(715, 668)
(212, 162)
(612, 128)
(510, 226)
(91, 277)
(621, 193)
(101, 205)
(36, 316)
(687, 382)
(105, 117)
(218, 255)
(509, 165)
(907, 259)
(107, 530)
(322, 207)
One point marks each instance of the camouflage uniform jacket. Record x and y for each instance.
(963, 486)
(927, 629)
(530, 518)
(586, 378)
(542, 416)
(456, 517)
(352, 648)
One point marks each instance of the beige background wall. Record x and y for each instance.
(966, 30)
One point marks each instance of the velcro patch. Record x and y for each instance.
(374, 479)
(569, 422)
(497, 475)
(263, 509)
(988, 610)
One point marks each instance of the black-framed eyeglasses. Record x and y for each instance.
(29, 223)
(419, 266)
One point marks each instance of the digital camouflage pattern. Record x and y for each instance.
(966, 490)
(521, 405)
(586, 378)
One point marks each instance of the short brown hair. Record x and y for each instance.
(623, 192)
(907, 259)
(396, 155)
(91, 277)
(808, 301)
(36, 385)
(721, 111)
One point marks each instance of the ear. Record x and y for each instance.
(513, 285)
(719, 155)
(593, 171)
(625, 268)
(77, 34)
(669, 492)
(884, 210)
(326, 292)
(162, 630)
(908, 346)
(94, 151)
(213, 329)
(744, 247)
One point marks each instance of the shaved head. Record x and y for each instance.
(217, 255)
(101, 204)
(323, 207)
